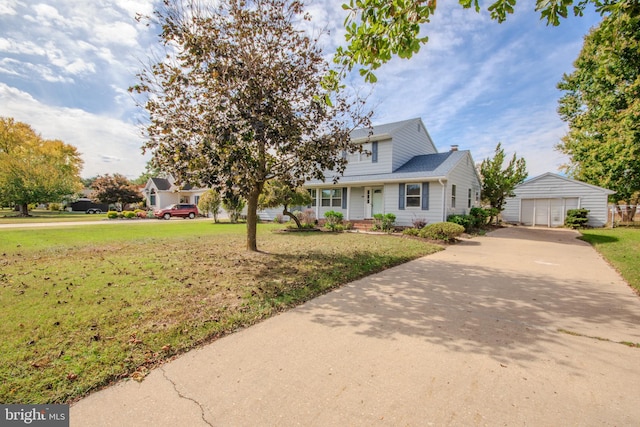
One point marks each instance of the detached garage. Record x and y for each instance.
(545, 200)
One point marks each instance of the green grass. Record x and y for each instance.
(11, 217)
(621, 247)
(83, 306)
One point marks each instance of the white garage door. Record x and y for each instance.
(546, 212)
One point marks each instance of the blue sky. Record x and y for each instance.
(65, 66)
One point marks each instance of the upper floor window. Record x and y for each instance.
(360, 157)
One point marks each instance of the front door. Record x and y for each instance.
(374, 201)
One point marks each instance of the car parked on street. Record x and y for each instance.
(180, 210)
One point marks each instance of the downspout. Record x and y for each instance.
(444, 202)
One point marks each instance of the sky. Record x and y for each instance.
(65, 66)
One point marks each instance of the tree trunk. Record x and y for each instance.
(24, 209)
(285, 211)
(252, 219)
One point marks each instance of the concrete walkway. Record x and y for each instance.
(520, 327)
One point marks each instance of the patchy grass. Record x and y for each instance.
(84, 306)
(621, 247)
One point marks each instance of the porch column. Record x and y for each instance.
(348, 203)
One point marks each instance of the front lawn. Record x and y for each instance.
(8, 216)
(621, 247)
(84, 306)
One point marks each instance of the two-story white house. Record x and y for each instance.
(401, 173)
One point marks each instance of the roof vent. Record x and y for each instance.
(454, 148)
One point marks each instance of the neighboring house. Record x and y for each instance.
(403, 174)
(545, 200)
(162, 192)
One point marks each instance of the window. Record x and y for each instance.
(469, 199)
(313, 193)
(184, 199)
(413, 192)
(152, 198)
(332, 198)
(453, 196)
(361, 157)
(413, 196)
(197, 200)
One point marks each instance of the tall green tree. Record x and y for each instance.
(210, 202)
(377, 30)
(115, 189)
(33, 169)
(498, 182)
(277, 193)
(601, 104)
(234, 204)
(238, 100)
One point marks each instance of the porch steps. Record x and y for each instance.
(362, 224)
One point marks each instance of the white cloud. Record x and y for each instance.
(8, 7)
(474, 84)
(107, 145)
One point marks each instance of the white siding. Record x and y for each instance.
(551, 186)
(367, 167)
(356, 203)
(463, 176)
(415, 141)
(406, 216)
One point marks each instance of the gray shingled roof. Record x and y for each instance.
(424, 163)
(161, 183)
(427, 166)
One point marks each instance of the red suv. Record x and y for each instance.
(179, 210)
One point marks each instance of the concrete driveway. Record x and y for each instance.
(520, 327)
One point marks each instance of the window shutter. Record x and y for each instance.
(425, 196)
(374, 152)
(401, 197)
(344, 197)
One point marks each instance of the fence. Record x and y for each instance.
(627, 215)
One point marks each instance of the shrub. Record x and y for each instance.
(411, 232)
(140, 213)
(576, 218)
(112, 214)
(128, 214)
(445, 231)
(479, 217)
(464, 220)
(54, 206)
(384, 222)
(308, 218)
(279, 218)
(419, 223)
(333, 220)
